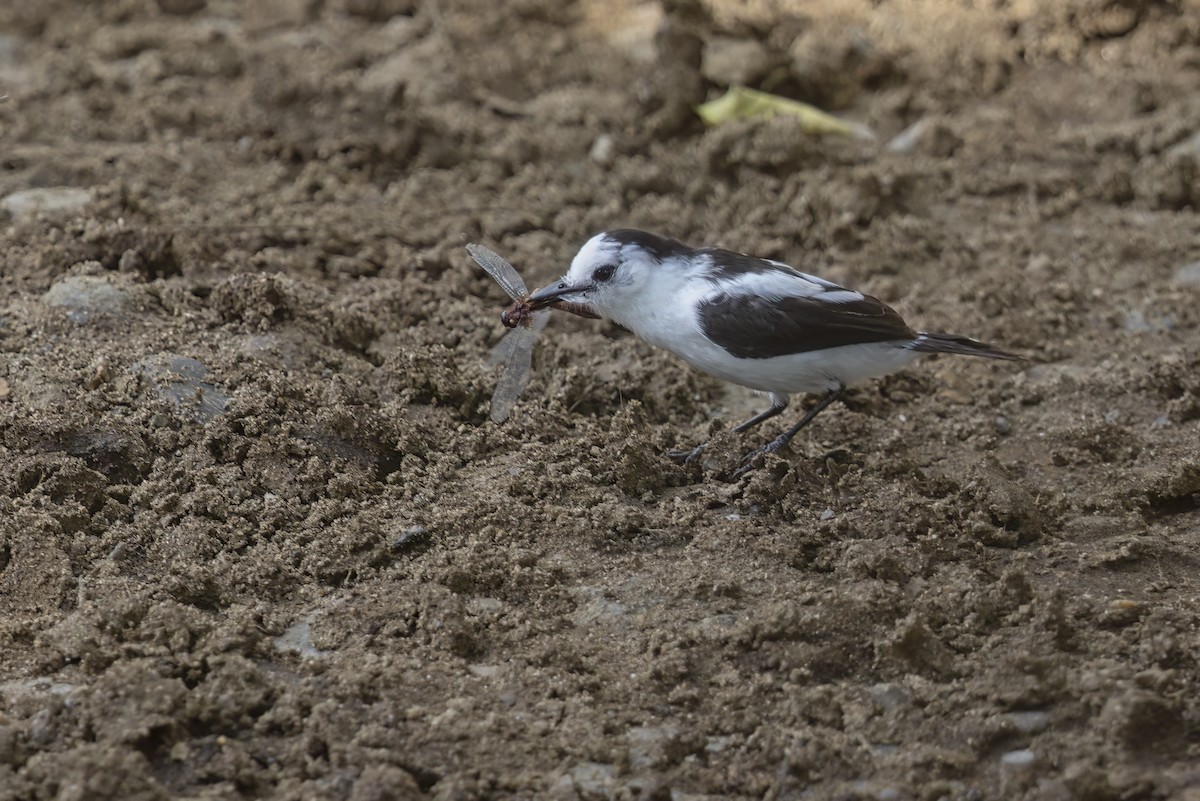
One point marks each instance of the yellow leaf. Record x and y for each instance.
(740, 103)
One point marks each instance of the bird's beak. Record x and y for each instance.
(548, 295)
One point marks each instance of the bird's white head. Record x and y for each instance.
(618, 270)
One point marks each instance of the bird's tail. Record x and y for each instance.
(952, 343)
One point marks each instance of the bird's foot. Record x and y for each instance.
(753, 459)
(686, 457)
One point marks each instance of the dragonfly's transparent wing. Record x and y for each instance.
(500, 270)
(515, 352)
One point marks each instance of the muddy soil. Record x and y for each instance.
(259, 538)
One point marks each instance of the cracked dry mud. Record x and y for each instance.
(258, 538)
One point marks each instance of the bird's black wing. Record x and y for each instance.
(754, 327)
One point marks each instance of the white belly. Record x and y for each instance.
(814, 371)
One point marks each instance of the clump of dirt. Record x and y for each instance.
(258, 537)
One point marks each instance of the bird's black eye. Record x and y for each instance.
(604, 272)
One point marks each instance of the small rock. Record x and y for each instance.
(1144, 723)
(1188, 274)
(298, 638)
(649, 745)
(1018, 759)
(1122, 612)
(1002, 425)
(1138, 323)
(716, 745)
(1188, 147)
(485, 606)
(735, 62)
(594, 606)
(86, 295)
(906, 140)
(933, 138)
(178, 379)
(409, 537)
(1028, 722)
(593, 779)
(5, 389)
(483, 671)
(57, 201)
(889, 696)
(602, 149)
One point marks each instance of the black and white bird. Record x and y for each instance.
(755, 322)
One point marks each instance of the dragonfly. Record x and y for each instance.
(515, 350)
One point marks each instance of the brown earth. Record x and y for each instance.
(258, 538)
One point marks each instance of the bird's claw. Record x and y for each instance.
(748, 463)
(752, 459)
(686, 457)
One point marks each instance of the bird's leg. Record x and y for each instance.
(784, 438)
(778, 404)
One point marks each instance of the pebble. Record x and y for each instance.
(594, 606)
(298, 638)
(603, 149)
(648, 745)
(1188, 274)
(592, 779)
(84, 296)
(906, 140)
(61, 201)
(1188, 147)
(1023, 758)
(483, 671)
(179, 379)
(1136, 322)
(889, 696)
(409, 536)
(1028, 722)
(870, 789)
(10, 46)
(485, 606)
(1002, 425)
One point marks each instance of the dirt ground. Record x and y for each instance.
(259, 539)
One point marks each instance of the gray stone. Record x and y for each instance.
(1018, 759)
(50, 201)
(1188, 274)
(298, 638)
(84, 296)
(1137, 322)
(1029, 722)
(179, 379)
